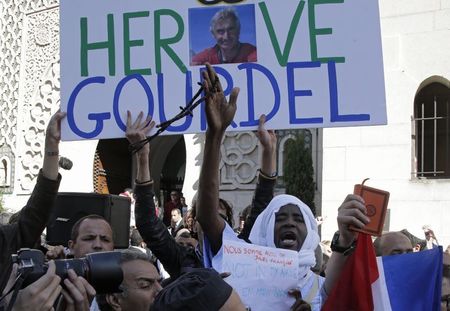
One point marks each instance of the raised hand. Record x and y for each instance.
(57, 252)
(219, 111)
(40, 295)
(138, 130)
(51, 152)
(299, 304)
(351, 212)
(267, 138)
(53, 132)
(78, 294)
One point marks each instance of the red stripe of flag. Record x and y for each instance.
(353, 290)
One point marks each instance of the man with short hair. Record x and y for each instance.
(392, 243)
(176, 222)
(91, 234)
(169, 206)
(184, 239)
(225, 27)
(140, 283)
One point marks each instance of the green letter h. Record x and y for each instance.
(85, 46)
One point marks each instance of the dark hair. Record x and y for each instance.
(193, 210)
(200, 289)
(135, 238)
(245, 212)
(185, 235)
(76, 227)
(229, 212)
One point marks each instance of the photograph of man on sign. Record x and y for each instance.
(225, 31)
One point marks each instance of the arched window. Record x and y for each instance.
(5, 172)
(432, 131)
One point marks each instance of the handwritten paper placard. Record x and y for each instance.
(261, 275)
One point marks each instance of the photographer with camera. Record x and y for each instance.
(40, 295)
(33, 217)
(43, 293)
(80, 278)
(90, 234)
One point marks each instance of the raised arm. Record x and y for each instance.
(51, 152)
(35, 215)
(135, 133)
(351, 212)
(155, 234)
(266, 179)
(219, 114)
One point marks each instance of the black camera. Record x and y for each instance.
(102, 270)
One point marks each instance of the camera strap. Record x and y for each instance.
(15, 290)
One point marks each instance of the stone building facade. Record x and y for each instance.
(416, 51)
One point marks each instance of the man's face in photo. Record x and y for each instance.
(226, 34)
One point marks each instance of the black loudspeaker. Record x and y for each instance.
(71, 206)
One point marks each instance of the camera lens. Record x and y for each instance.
(78, 265)
(105, 273)
(102, 270)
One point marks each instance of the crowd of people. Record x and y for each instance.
(175, 258)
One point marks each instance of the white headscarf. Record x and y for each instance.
(263, 231)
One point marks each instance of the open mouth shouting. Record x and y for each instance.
(290, 228)
(288, 240)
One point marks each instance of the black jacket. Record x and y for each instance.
(32, 220)
(175, 258)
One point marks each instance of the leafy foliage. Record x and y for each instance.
(298, 171)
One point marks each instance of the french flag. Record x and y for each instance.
(408, 282)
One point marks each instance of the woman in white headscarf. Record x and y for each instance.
(289, 223)
(301, 234)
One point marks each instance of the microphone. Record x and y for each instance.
(65, 163)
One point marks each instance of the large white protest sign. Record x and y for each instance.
(302, 63)
(261, 275)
